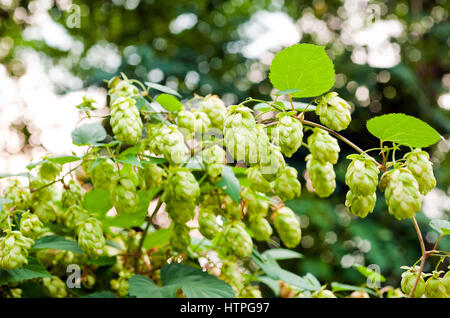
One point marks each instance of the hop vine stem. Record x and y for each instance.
(424, 256)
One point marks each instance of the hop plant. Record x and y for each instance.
(288, 134)
(50, 170)
(322, 176)
(407, 283)
(324, 293)
(14, 250)
(207, 223)
(287, 186)
(232, 275)
(362, 175)
(334, 112)
(102, 174)
(417, 161)
(125, 120)
(42, 191)
(180, 239)
(30, 225)
(54, 287)
(323, 147)
(288, 226)
(123, 194)
(214, 157)
(153, 176)
(260, 228)
(446, 282)
(238, 240)
(72, 195)
(118, 87)
(250, 291)
(19, 195)
(90, 237)
(402, 194)
(174, 149)
(257, 180)
(215, 108)
(435, 288)
(360, 205)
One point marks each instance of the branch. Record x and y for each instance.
(55, 181)
(424, 256)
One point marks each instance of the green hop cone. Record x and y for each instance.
(288, 134)
(154, 139)
(30, 225)
(323, 147)
(232, 275)
(256, 206)
(288, 227)
(72, 195)
(186, 122)
(214, 157)
(238, 240)
(260, 228)
(271, 163)
(402, 194)
(334, 112)
(54, 287)
(435, 288)
(121, 285)
(250, 291)
(180, 211)
(215, 108)
(287, 185)
(201, 122)
(123, 194)
(324, 293)
(322, 176)
(90, 237)
(182, 186)
(102, 174)
(207, 223)
(125, 120)
(233, 210)
(14, 250)
(418, 162)
(74, 216)
(118, 86)
(239, 116)
(446, 282)
(47, 211)
(19, 195)
(50, 170)
(408, 281)
(362, 175)
(257, 180)
(45, 193)
(180, 238)
(153, 176)
(360, 205)
(174, 149)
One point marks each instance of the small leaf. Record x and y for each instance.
(64, 159)
(56, 242)
(305, 67)
(163, 88)
(229, 183)
(97, 201)
(88, 134)
(142, 103)
(281, 254)
(31, 271)
(169, 102)
(403, 129)
(337, 287)
(370, 273)
(131, 159)
(157, 238)
(441, 226)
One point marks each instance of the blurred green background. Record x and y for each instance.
(390, 56)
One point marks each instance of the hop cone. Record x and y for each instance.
(272, 164)
(123, 195)
(260, 227)
(324, 293)
(47, 211)
(322, 176)
(186, 122)
(408, 281)
(121, 284)
(125, 120)
(446, 282)
(360, 205)
(14, 250)
(75, 216)
(72, 195)
(180, 239)
(181, 186)
(214, 107)
(334, 112)
(46, 193)
(288, 135)
(250, 291)
(288, 227)
(362, 176)
(232, 209)
(239, 116)
(238, 240)
(214, 157)
(20, 196)
(50, 170)
(30, 225)
(202, 122)
(435, 288)
(102, 174)
(402, 194)
(154, 139)
(118, 86)
(287, 186)
(174, 149)
(153, 176)
(257, 180)
(233, 276)
(323, 147)
(54, 287)
(180, 211)
(90, 237)
(256, 206)
(421, 168)
(207, 223)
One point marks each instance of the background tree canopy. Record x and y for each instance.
(390, 56)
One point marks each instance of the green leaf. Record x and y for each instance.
(102, 294)
(305, 67)
(229, 183)
(194, 282)
(157, 238)
(103, 261)
(169, 102)
(143, 287)
(21, 174)
(153, 160)
(31, 271)
(131, 159)
(142, 103)
(56, 242)
(273, 284)
(403, 129)
(287, 92)
(441, 226)
(281, 254)
(88, 134)
(337, 287)
(64, 159)
(370, 273)
(97, 201)
(163, 88)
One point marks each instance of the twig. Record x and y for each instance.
(424, 256)
(55, 181)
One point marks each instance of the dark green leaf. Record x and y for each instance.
(144, 287)
(102, 294)
(229, 183)
(56, 242)
(31, 271)
(337, 287)
(131, 159)
(97, 201)
(88, 134)
(64, 159)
